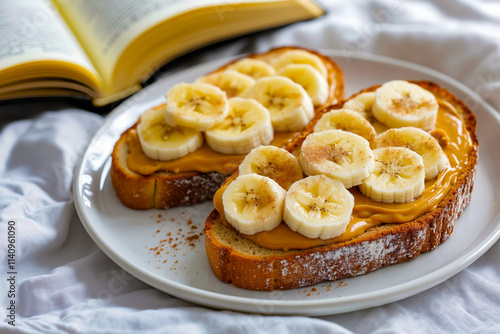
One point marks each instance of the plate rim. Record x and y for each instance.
(325, 306)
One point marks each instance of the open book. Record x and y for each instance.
(105, 49)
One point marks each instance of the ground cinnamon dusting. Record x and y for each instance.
(176, 238)
(341, 284)
(322, 288)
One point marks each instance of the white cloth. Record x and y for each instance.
(63, 280)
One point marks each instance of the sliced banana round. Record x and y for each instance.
(362, 104)
(318, 207)
(161, 141)
(299, 57)
(253, 203)
(273, 162)
(255, 68)
(338, 154)
(289, 105)
(197, 105)
(308, 77)
(347, 120)
(232, 82)
(399, 103)
(399, 176)
(419, 141)
(246, 126)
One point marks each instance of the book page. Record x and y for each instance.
(33, 30)
(105, 28)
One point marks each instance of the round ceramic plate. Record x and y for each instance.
(165, 248)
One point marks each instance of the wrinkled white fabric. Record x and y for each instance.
(67, 285)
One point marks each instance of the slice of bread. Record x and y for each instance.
(237, 260)
(164, 189)
(160, 189)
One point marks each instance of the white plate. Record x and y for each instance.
(130, 237)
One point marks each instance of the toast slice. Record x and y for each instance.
(164, 188)
(161, 189)
(238, 260)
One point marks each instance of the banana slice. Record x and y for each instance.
(308, 77)
(399, 176)
(232, 82)
(289, 105)
(246, 126)
(362, 104)
(197, 105)
(338, 154)
(273, 162)
(255, 68)
(347, 120)
(161, 141)
(299, 57)
(399, 103)
(318, 207)
(253, 203)
(419, 141)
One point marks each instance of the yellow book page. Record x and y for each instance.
(201, 27)
(45, 84)
(107, 28)
(35, 41)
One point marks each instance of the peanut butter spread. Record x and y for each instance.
(202, 160)
(454, 138)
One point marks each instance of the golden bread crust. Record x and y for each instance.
(163, 189)
(247, 265)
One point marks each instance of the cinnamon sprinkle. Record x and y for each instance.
(174, 239)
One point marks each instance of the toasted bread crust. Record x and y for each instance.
(163, 189)
(249, 266)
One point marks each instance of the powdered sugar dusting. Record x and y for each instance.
(330, 265)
